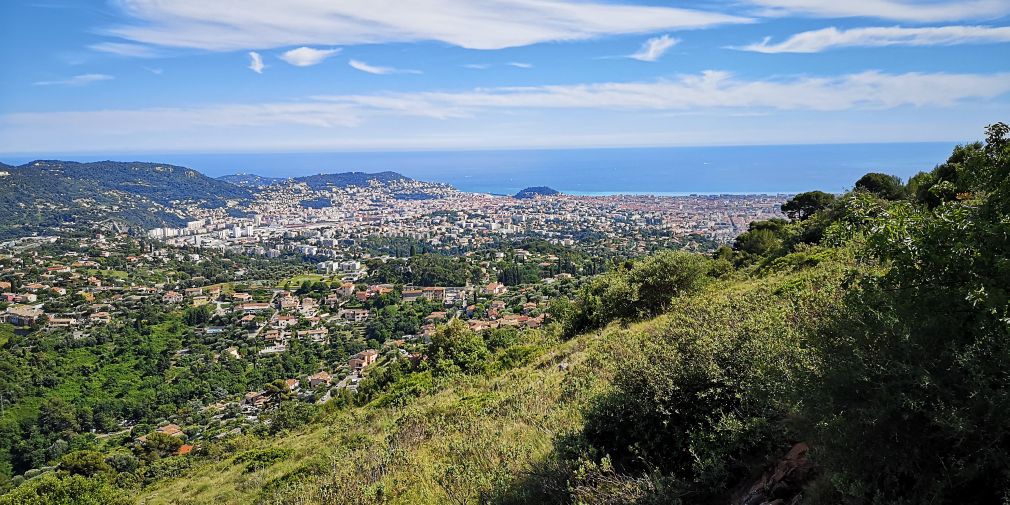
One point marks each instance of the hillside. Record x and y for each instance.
(343, 180)
(250, 180)
(499, 437)
(316, 182)
(43, 195)
(536, 191)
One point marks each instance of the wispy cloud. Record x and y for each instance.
(373, 69)
(901, 10)
(256, 62)
(714, 90)
(307, 56)
(654, 48)
(792, 109)
(830, 38)
(77, 80)
(126, 49)
(227, 25)
(154, 70)
(520, 64)
(477, 66)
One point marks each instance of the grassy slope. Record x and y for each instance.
(478, 439)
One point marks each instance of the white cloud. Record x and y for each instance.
(227, 25)
(477, 66)
(710, 90)
(518, 64)
(829, 38)
(654, 48)
(255, 62)
(372, 69)
(126, 49)
(920, 11)
(307, 56)
(724, 109)
(77, 80)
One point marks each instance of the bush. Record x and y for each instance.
(912, 405)
(71, 490)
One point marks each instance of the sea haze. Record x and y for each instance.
(673, 171)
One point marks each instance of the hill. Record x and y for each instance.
(250, 180)
(345, 179)
(536, 191)
(318, 181)
(44, 195)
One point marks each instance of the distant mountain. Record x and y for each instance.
(250, 180)
(536, 191)
(343, 180)
(316, 182)
(41, 195)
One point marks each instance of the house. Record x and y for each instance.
(362, 359)
(100, 317)
(184, 449)
(287, 302)
(250, 308)
(22, 315)
(5, 285)
(317, 335)
(495, 289)
(292, 384)
(61, 322)
(354, 315)
(193, 292)
(319, 379)
(412, 295)
(241, 297)
(346, 289)
(172, 297)
(284, 321)
(172, 430)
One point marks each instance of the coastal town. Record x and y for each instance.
(294, 298)
(335, 222)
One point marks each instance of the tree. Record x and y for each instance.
(455, 344)
(86, 463)
(888, 187)
(57, 416)
(805, 205)
(661, 277)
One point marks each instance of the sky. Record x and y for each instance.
(247, 76)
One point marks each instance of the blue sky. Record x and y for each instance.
(136, 76)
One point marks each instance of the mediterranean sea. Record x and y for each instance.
(661, 171)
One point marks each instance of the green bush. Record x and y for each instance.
(912, 403)
(70, 490)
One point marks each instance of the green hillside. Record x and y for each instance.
(44, 195)
(853, 354)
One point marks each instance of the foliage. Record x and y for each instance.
(52, 489)
(455, 347)
(804, 205)
(911, 407)
(86, 463)
(261, 458)
(888, 187)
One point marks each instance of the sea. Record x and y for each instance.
(673, 171)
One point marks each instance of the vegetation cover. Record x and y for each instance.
(852, 354)
(43, 195)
